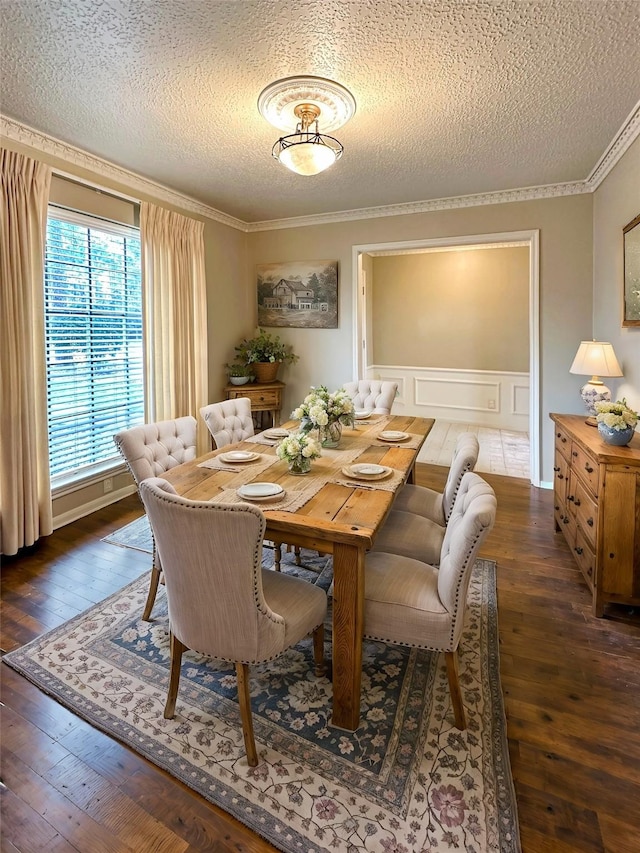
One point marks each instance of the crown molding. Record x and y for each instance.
(626, 135)
(409, 208)
(18, 132)
(22, 133)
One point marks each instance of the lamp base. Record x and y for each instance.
(592, 393)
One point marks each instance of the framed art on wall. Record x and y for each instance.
(302, 294)
(631, 239)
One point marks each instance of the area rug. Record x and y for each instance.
(136, 535)
(407, 781)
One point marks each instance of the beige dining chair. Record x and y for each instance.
(421, 538)
(372, 395)
(221, 602)
(149, 451)
(228, 421)
(434, 505)
(415, 604)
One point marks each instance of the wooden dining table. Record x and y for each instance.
(333, 514)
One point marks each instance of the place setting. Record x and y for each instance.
(237, 460)
(261, 492)
(271, 436)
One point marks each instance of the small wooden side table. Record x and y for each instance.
(265, 397)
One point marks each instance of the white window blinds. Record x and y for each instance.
(93, 324)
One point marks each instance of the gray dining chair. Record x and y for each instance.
(435, 505)
(228, 421)
(221, 602)
(373, 395)
(413, 603)
(421, 538)
(149, 451)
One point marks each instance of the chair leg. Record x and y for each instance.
(177, 648)
(244, 700)
(151, 596)
(296, 551)
(318, 651)
(454, 687)
(277, 555)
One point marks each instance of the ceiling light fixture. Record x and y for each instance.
(296, 104)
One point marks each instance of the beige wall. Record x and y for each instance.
(466, 309)
(565, 226)
(616, 203)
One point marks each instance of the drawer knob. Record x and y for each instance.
(555, 468)
(556, 507)
(574, 452)
(565, 520)
(570, 498)
(577, 501)
(590, 522)
(561, 476)
(588, 468)
(578, 551)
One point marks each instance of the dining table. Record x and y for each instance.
(333, 510)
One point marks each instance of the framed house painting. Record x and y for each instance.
(303, 294)
(631, 238)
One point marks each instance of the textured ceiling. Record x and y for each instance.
(453, 98)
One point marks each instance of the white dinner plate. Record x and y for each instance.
(276, 433)
(367, 468)
(393, 435)
(260, 491)
(350, 471)
(359, 414)
(239, 456)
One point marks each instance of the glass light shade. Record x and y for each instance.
(307, 158)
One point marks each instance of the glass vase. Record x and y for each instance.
(300, 465)
(330, 434)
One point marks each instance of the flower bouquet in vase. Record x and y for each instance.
(298, 450)
(326, 412)
(616, 422)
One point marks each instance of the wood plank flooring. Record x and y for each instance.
(571, 684)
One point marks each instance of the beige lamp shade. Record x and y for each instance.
(595, 359)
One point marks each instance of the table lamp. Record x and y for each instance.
(595, 358)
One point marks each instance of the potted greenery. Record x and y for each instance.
(239, 373)
(265, 353)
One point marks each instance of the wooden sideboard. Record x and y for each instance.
(264, 396)
(597, 508)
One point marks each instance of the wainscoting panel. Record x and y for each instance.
(491, 398)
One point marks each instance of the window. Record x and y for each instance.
(93, 326)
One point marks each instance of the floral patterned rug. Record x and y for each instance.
(407, 781)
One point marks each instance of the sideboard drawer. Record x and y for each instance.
(585, 558)
(586, 467)
(563, 442)
(586, 511)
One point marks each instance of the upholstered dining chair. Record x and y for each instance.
(421, 538)
(228, 421)
(221, 602)
(434, 505)
(149, 451)
(412, 603)
(372, 395)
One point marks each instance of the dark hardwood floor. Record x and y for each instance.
(571, 685)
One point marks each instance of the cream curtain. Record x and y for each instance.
(25, 490)
(175, 315)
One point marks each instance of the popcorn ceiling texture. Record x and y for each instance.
(453, 98)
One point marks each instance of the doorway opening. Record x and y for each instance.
(363, 330)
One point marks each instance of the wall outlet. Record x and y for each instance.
(492, 404)
(108, 485)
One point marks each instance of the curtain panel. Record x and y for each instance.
(25, 489)
(174, 288)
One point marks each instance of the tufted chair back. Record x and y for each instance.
(229, 421)
(437, 506)
(221, 602)
(149, 451)
(152, 449)
(372, 395)
(413, 603)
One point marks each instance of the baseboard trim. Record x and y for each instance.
(87, 508)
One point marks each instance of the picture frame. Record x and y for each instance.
(631, 273)
(298, 294)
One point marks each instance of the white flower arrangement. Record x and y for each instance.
(298, 446)
(616, 415)
(320, 408)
